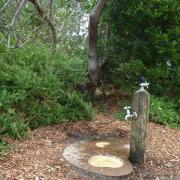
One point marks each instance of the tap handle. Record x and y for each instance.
(127, 107)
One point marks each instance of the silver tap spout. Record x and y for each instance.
(128, 113)
(133, 115)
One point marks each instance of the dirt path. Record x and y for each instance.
(42, 154)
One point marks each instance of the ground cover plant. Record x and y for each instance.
(2, 147)
(164, 112)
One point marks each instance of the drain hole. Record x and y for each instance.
(105, 161)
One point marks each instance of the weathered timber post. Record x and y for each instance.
(141, 101)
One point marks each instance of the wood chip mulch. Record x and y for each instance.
(40, 157)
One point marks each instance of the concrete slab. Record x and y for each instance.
(78, 154)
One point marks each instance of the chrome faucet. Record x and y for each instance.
(129, 114)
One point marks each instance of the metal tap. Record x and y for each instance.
(129, 114)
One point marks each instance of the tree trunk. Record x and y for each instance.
(93, 64)
(49, 22)
(5, 5)
(14, 20)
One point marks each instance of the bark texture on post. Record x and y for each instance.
(141, 101)
(93, 64)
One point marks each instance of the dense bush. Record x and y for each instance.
(38, 89)
(144, 40)
(164, 112)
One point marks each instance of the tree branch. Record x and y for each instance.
(4, 7)
(16, 15)
(47, 19)
(15, 18)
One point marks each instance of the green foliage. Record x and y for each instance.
(2, 147)
(120, 115)
(38, 89)
(143, 39)
(164, 112)
(74, 107)
(74, 69)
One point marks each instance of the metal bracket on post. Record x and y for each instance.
(144, 85)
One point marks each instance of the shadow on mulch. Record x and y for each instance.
(85, 130)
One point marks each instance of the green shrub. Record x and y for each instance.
(143, 39)
(13, 125)
(38, 89)
(164, 112)
(2, 147)
(74, 107)
(120, 115)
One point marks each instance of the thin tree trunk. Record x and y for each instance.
(16, 15)
(50, 9)
(14, 20)
(49, 22)
(93, 64)
(5, 5)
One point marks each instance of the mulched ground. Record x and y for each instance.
(40, 157)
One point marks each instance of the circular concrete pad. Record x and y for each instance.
(80, 154)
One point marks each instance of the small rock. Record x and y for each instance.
(168, 165)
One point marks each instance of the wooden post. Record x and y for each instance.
(141, 101)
